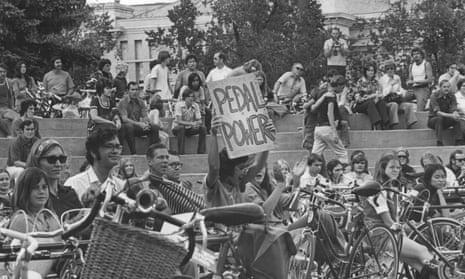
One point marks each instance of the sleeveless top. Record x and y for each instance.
(419, 71)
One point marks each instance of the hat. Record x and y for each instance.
(75, 96)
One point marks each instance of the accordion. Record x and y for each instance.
(179, 198)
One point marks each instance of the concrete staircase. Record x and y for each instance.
(72, 134)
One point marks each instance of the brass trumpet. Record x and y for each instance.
(147, 200)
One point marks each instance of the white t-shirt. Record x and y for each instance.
(339, 59)
(218, 74)
(419, 71)
(160, 73)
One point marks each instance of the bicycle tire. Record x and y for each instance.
(446, 237)
(300, 265)
(374, 255)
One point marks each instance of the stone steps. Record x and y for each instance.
(285, 141)
(198, 163)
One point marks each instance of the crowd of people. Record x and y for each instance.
(37, 185)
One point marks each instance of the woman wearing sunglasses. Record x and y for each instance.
(50, 157)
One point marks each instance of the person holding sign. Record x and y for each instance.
(327, 114)
(226, 177)
(188, 122)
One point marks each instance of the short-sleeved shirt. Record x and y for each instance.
(291, 85)
(460, 98)
(19, 149)
(84, 180)
(199, 95)
(442, 102)
(220, 194)
(16, 131)
(58, 82)
(218, 74)
(186, 113)
(134, 109)
(121, 84)
(102, 111)
(160, 73)
(322, 118)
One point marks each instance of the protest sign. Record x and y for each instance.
(240, 100)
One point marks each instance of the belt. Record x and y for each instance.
(323, 124)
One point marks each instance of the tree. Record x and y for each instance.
(276, 32)
(182, 35)
(35, 31)
(437, 26)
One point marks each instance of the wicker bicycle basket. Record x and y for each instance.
(121, 251)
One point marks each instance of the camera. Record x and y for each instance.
(336, 47)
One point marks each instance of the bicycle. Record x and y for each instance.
(445, 253)
(106, 236)
(351, 262)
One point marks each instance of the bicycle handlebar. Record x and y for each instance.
(320, 196)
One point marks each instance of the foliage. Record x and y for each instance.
(437, 26)
(276, 32)
(35, 31)
(182, 35)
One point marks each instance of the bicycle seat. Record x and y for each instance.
(368, 189)
(233, 215)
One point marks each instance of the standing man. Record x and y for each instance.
(220, 71)
(420, 78)
(452, 75)
(336, 50)
(188, 122)
(182, 79)
(103, 152)
(20, 148)
(58, 81)
(327, 115)
(290, 86)
(159, 78)
(7, 101)
(135, 121)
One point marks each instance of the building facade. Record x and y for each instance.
(131, 22)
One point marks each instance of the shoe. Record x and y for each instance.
(439, 143)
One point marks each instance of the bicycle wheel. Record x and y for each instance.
(445, 234)
(300, 265)
(374, 255)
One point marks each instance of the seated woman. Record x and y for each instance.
(380, 210)
(6, 189)
(434, 180)
(23, 83)
(49, 156)
(102, 110)
(368, 99)
(268, 194)
(394, 96)
(33, 211)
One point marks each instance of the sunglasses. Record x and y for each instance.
(460, 160)
(300, 69)
(54, 159)
(402, 156)
(175, 165)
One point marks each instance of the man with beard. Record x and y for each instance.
(58, 81)
(103, 154)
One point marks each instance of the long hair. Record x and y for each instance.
(267, 182)
(26, 181)
(330, 167)
(122, 169)
(190, 81)
(18, 74)
(380, 168)
(428, 175)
